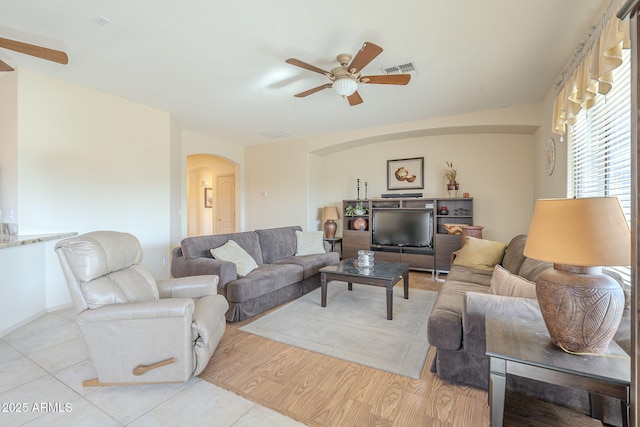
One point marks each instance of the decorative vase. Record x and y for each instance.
(360, 224)
(330, 228)
(453, 188)
(365, 259)
(581, 307)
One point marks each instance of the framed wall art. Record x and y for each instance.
(208, 197)
(405, 174)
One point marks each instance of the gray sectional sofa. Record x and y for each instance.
(457, 329)
(281, 275)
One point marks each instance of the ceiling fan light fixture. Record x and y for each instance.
(345, 86)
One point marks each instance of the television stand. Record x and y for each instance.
(436, 258)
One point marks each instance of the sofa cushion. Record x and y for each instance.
(309, 243)
(277, 243)
(479, 253)
(262, 281)
(472, 275)
(513, 256)
(311, 264)
(232, 252)
(505, 283)
(532, 268)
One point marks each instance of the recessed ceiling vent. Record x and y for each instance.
(408, 68)
(274, 134)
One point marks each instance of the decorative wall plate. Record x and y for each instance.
(550, 156)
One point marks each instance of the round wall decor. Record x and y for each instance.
(550, 156)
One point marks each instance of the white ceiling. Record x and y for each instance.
(218, 66)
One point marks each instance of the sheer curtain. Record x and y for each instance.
(590, 72)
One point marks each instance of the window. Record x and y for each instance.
(600, 147)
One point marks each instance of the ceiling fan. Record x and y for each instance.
(33, 50)
(346, 77)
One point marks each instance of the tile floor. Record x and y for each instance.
(43, 364)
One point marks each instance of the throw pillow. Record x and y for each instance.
(309, 243)
(232, 252)
(503, 282)
(479, 253)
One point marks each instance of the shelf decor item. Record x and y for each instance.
(365, 259)
(405, 174)
(454, 228)
(450, 175)
(330, 215)
(358, 209)
(360, 224)
(581, 306)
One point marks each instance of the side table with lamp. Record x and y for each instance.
(581, 307)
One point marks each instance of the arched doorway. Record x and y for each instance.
(211, 200)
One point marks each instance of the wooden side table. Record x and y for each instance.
(524, 348)
(333, 241)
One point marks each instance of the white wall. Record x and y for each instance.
(495, 169)
(277, 191)
(492, 150)
(91, 161)
(554, 185)
(8, 146)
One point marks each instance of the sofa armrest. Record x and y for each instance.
(476, 305)
(454, 255)
(188, 287)
(155, 309)
(181, 267)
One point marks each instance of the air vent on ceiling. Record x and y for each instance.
(408, 68)
(274, 134)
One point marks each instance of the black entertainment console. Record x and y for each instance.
(407, 230)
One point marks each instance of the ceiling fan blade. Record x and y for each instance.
(364, 56)
(37, 51)
(312, 91)
(5, 67)
(354, 99)
(391, 79)
(298, 63)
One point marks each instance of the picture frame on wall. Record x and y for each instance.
(405, 174)
(208, 197)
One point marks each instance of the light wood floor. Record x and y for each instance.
(323, 391)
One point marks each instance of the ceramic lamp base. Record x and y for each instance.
(330, 228)
(581, 307)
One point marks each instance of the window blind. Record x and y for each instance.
(600, 147)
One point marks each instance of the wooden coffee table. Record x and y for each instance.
(385, 274)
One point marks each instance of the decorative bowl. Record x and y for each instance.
(454, 228)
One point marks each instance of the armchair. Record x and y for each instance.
(139, 330)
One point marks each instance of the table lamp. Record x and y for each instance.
(581, 306)
(330, 214)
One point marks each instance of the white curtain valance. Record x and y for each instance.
(592, 75)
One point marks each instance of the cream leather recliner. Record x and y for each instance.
(137, 329)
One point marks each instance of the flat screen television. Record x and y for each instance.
(403, 227)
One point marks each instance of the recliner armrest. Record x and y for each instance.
(163, 308)
(188, 287)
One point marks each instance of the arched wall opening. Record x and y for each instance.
(211, 195)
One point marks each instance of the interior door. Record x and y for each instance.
(226, 206)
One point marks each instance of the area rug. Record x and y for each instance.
(354, 326)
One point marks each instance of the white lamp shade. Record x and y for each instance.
(592, 231)
(345, 86)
